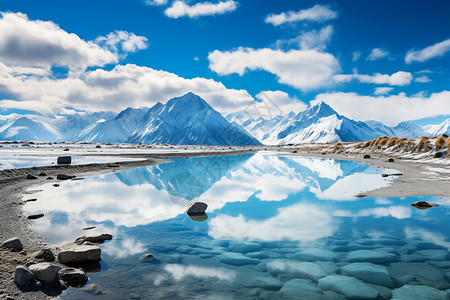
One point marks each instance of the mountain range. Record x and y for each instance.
(190, 120)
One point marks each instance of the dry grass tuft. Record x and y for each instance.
(391, 142)
(439, 143)
(423, 144)
(448, 146)
(337, 146)
(400, 142)
(360, 145)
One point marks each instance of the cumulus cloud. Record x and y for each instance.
(314, 39)
(385, 90)
(436, 50)
(116, 89)
(317, 13)
(181, 9)
(24, 42)
(399, 78)
(122, 41)
(377, 53)
(282, 100)
(156, 2)
(388, 109)
(422, 79)
(356, 55)
(302, 69)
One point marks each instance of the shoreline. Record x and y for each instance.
(414, 181)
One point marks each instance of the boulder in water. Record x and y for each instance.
(64, 160)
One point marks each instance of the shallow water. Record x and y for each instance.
(277, 227)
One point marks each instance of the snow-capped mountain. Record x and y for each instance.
(116, 130)
(438, 130)
(189, 120)
(24, 128)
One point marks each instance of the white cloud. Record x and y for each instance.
(116, 89)
(399, 78)
(302, 69)
(422, 79)
(28, 43)
(388, 109)
(398, 212)
(436, 50)
(156, 2)
(282, 101)
(314, 39)
(123, 41)
(317, 13)
(377, 53)
(356, 55)
(383, 90)
(181, 9)
(179, 272)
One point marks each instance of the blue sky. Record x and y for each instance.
(382, 60)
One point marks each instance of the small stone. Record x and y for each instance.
(13, 244)
(35, 216)
(56, 185)
(73, 277)
(423, 204)
(237, 259)
(438, 155)
(45, 272)
(31, 177)
(94, 289)
(42, 174)
(366, 156)
(88, 228)
(31, 200)
(390, 160)
(64, 177)
(67, 149)
(49, 178)
(23, 276)
(149, 258)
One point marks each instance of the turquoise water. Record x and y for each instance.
(277, 227)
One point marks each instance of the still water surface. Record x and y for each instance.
(277, 227)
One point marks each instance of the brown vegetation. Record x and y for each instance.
(439, 143)
(337, 146)
(423, 144)
(391, 142)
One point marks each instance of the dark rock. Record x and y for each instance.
(295, 151)
(197, 208)
(149, 258)
(31, 200)
(73, 277)
(45, 255)
(42, 174)
(94, 289)
(366, 156)
(31, 177)
(64, 177)
(384, 175)
(35, 216)
(438, 155)
(23, 276)
(98, 238)
(198, 217)
(45, 272)
(49, 178)
(64, 160)
(98, 146)
(67, 149)
(88, 228)
(390, 160)
(423, 204)
(13, 243)
(56, 185)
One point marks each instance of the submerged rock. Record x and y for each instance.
(417, 272)
(300, 289)
(45, 272)
(307, 270)
(369, 272)
(73, 277)
(423, 204)
(373, 256)
(13, 244)
(314, 254)
(94, 289)
(267, 283)
(149, 258)
(422, 292)
(244, 247)
(23, 276)
(74, 253)
(350, 287)
(237, 259)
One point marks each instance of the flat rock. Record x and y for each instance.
(73, 277)
(13, 244)
(422, 292)
(368, 272)
(350, 287)
(433, 254)
(64, 177)
(300, 289)
(35, 216)
(45, 272)
(244, 247)
(79, 253)
(237, 259)
(197, 208)
(66, 160)
(307, 270)
(315, 254)
(412, 258)
(267, 283)
(95, 238)
(23, 276)
(373, 256)
(31, 177)
(423, 273)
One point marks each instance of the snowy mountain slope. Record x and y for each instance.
(409, 129)
(72, 125)
(380, 129)
(438, 130)
(24, 128)
(116, 130)
(189, 120)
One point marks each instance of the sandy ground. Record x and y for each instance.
(427, 178)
